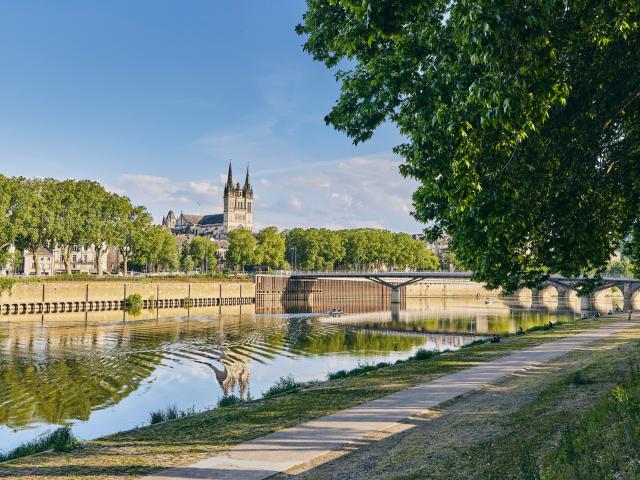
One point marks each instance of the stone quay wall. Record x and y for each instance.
(280, 288)
(58, 297)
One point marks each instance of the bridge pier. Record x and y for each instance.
(395, 312)
(586, 302)
(563, 297)
(536, 299)
(395, 295)
(628, 291)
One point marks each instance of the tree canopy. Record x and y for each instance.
(357, 249)
(47, 213)
(521, 119)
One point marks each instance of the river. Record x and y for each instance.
(104, 377)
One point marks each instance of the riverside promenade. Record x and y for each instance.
(310, 441)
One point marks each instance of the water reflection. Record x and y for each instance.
(72, 373)
(105, 376)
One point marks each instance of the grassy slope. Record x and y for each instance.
(576, 418)
(189, 439)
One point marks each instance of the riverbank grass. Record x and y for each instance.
(60, 440)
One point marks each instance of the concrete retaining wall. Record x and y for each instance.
(52, 297)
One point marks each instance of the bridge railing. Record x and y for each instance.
(364, 273)
(403, 273)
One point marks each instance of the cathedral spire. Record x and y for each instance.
(229, 186)
(247, 183)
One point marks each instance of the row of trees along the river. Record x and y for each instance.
(322, 249)
(38, 213)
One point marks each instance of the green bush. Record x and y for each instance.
(6, 284)
(169, 413)
(423, 354)
(228, 401)
(133, 304)
(284, 385)
(359, 370)
(61, 440)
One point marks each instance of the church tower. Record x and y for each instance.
(238, 204)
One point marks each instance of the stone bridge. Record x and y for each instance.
(563, 285)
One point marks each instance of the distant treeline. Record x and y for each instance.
(323, 249)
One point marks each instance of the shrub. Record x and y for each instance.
(422, 354)
(133, 304)
(359, 370)
(60, 440)
(228, 401)
(169, 413)
(6, 284)
(284, 385)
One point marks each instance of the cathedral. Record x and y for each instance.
(238, 212)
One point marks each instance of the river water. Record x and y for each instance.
(104, 377)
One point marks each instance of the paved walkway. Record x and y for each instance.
(280, 451)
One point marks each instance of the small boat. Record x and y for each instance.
(334, 312)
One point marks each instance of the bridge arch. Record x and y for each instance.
(608, 298)
(635, 299)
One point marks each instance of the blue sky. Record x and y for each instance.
(152, 98)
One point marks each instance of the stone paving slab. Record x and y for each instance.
(280, 451)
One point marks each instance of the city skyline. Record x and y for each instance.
(156, 99)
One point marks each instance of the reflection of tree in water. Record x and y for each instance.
(66, 375)
(60, 373)
(469, 324)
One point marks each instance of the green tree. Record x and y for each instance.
(198, 250)
(36, 209)
(71, 214)
(132, 232)
(270, 250)
(187, 263)
(450, 262)
(242, 246)
(10, 223)
(204, 253)
(159, 252)
(104, 223)
(522, 121)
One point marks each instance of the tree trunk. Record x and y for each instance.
(36, 263)
(99, 254)
(67, 259)
(125, 261)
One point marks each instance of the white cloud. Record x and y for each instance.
(295, 203)
(160, 194)
(353, 192)
(348, 193)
